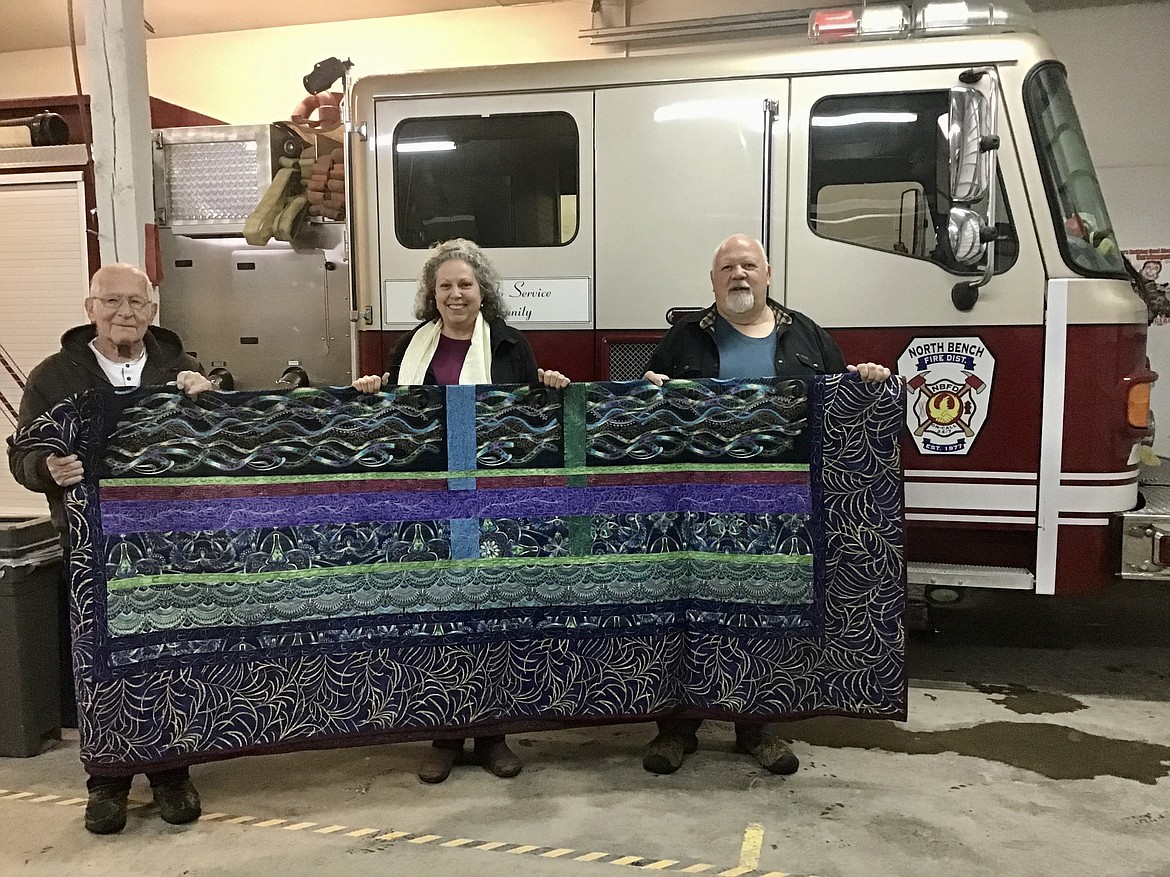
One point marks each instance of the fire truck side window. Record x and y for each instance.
(879, 177)
(507, 180)
(1078, 207)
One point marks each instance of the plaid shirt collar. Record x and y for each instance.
(782, 317)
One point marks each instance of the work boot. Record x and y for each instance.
(437, 763)
(105, 812)
(177, 800)
(666, 752)
(768, 749)
(494, 754)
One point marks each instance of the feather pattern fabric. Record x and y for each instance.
(259, 572)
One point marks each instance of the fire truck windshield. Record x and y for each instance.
(1074, 194)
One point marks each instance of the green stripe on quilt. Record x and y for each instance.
(593, 588)
(362, 569)
(574, 438)
(442, 476)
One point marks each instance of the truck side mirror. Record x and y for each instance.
(971, 144)
(965, 233)
(970, 133)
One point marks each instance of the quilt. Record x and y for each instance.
(257, 572)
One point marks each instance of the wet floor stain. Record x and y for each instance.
(1055, 751)
(1028, 701)
(1147, 818)
(1126, 667)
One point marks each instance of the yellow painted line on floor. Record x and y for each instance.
(557, 853)
(753, 842)
(749, 852)
(392, 835)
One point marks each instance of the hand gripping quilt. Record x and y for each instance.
(261, 572)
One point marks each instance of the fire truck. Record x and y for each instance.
(921, 184)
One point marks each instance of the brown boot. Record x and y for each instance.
(767, 747)
(440, 758)
(666, 752)
(494, 754)
(177, 800)
(105, 812)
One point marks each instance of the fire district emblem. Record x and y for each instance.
(949, 385)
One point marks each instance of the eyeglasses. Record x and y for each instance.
(114, 303)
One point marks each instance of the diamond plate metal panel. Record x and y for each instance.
(212, 182)
(1158, 474)
(1157, 499)
(1144, 536)
(209, 178)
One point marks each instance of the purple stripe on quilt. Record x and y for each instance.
(276, 488)
(128, 516)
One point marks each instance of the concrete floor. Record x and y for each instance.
(1041, 746)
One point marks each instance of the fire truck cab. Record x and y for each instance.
(921, 183)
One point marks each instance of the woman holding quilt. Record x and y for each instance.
(463, 339)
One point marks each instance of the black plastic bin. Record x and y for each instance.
(30, 670)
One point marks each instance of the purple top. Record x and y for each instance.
(448, 359)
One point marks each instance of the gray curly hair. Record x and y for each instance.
(492, 303)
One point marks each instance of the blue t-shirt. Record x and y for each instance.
(741, 356)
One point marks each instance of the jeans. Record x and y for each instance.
(122, 783)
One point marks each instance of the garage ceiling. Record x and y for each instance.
(42, 24)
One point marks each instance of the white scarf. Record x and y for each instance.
(477, 365)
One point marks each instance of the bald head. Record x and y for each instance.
(740, 240)
(122, 275)
(120, 306)
(739, 278)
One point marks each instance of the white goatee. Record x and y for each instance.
(740, 301)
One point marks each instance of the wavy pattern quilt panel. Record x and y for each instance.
(258, 572)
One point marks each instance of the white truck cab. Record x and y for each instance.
(923, 188)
